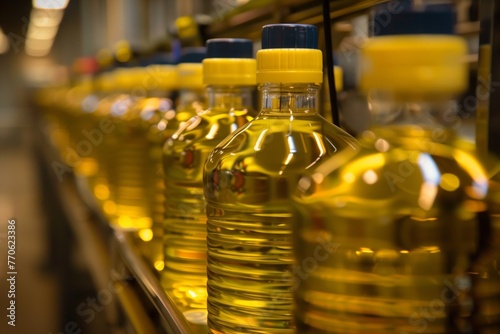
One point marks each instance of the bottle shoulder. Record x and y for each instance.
(259, 164)
(413, 170)
(273, 143)
(205, 128)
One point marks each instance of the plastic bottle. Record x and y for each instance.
(99, 184)
(83, 131)
(137, 180)
(192, 98)
(189, 101)
(69, 119)
(389, 239)
(247, 182)
(229, 72)
(118, 158)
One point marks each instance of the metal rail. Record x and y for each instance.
(247, 20)
(172, 319)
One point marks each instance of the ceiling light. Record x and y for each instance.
(50, 4)
(46, 18)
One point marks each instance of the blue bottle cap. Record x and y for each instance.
(159, 58)
(229, 48)
(289, 36)
(192, 55)
(434, 20)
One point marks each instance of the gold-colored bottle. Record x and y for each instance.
(117, 197)
(229, 73)
(149, 122)
(391, 238)
(104, 123)
(136, 144)
(84, 134)
(248, 179)
(191, 100)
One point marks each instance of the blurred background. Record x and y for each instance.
(39, 43)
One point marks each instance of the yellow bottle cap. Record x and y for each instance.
(128, 78)
(421, 64)
(187, 27)
(161, 77)
(289, 65)
(105, 58)
(229, 61)
(123, 51)
(190, 75)
(105, 82)
(289, 54)
(229, 71)
(86, 85)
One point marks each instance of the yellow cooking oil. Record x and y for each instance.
(132, 169)
(83, 134)
(115, 155)
(164, 81)
(189, 101)
(101, 131)
(392, 238)
(149, 121)
(248, 181)
(229, 73)
(73, 150)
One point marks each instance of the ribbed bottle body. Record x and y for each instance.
(248, 181)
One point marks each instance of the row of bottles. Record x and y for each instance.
(281, 221)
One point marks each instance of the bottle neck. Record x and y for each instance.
(227, 98)
(413, 109)
(287, 98)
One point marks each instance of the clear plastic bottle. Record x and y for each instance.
(391, 238)
(229, 72)
(191, 100)
(110, 93)
(83, 132)
(117, 156)
(138, 181)
(74, 152)
(143, 116)
(247, 182)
